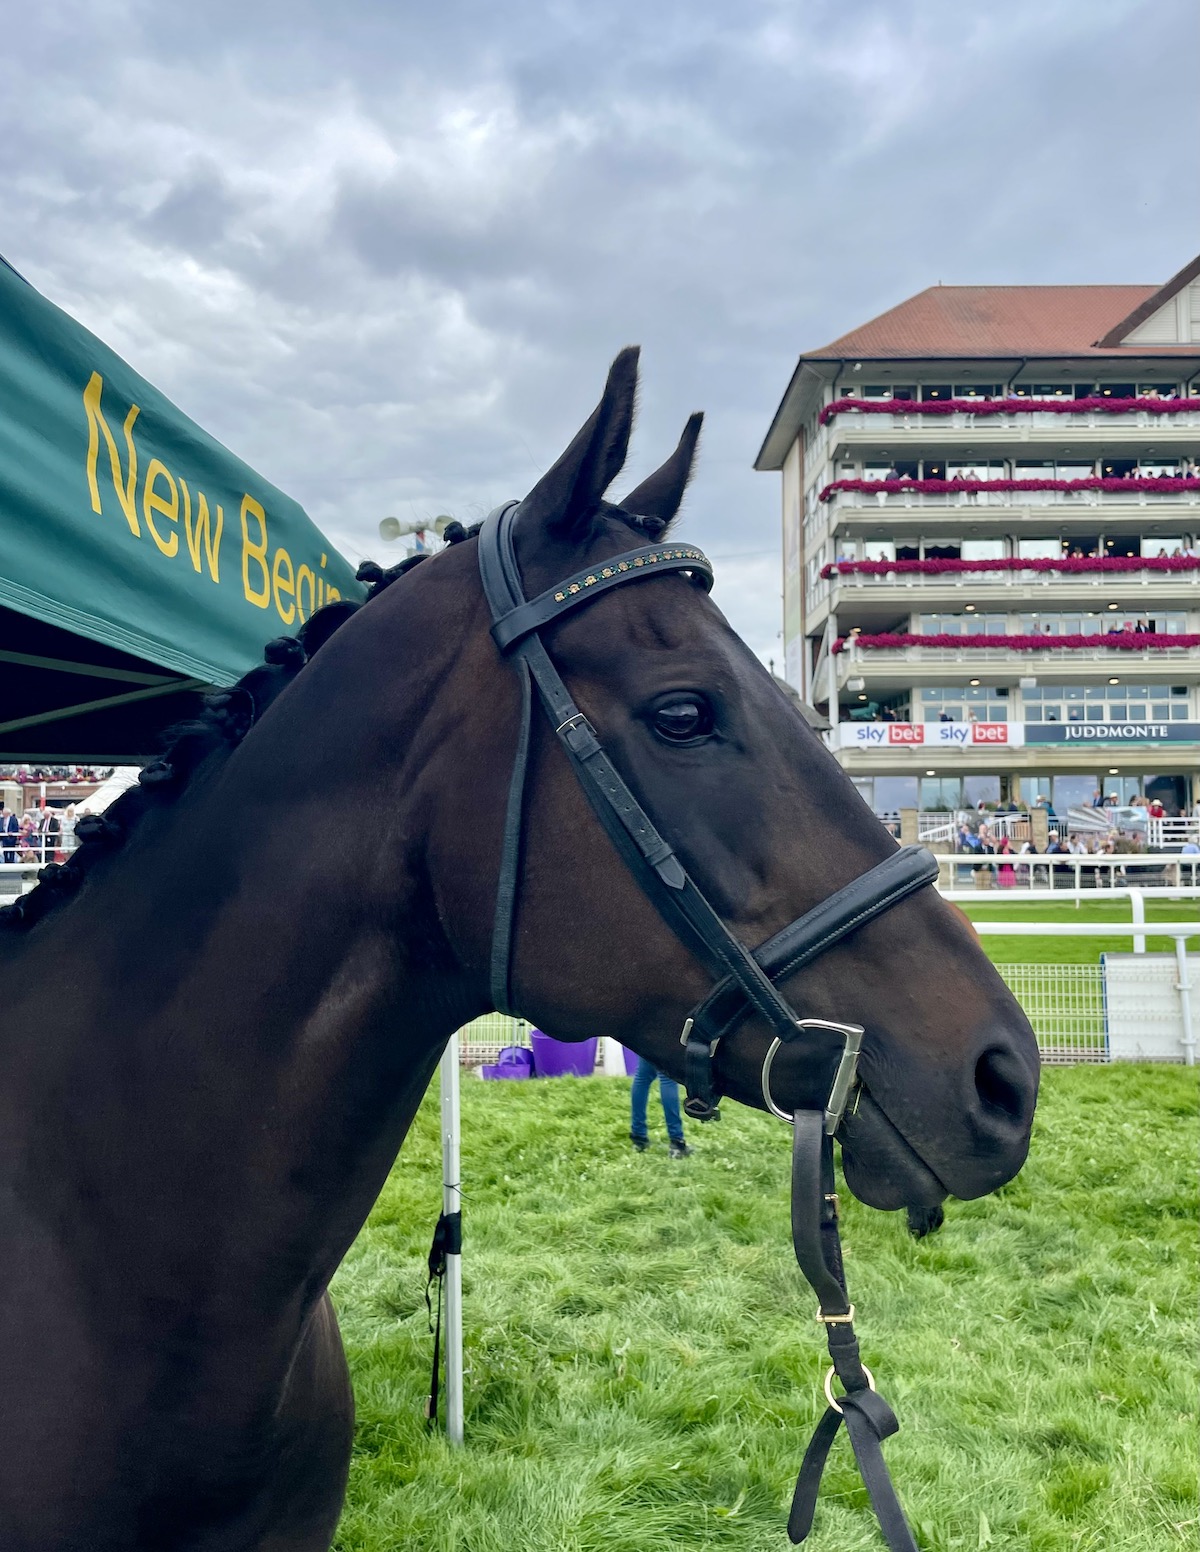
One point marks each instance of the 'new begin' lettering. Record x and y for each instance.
(162, 499)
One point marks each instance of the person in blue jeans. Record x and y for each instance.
(668, 1092)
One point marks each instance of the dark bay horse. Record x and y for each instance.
(220, 1017)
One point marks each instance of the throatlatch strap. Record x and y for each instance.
(868, 1418)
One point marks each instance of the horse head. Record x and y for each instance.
(756, 809)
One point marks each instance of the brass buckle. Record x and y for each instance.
(843, 1081)
(829, 1395)
(835, 1320)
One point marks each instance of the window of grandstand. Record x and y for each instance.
(978, 469)
(965, 703)
(1103, 703)
(1163, 622)
(1039, 549)
(962, 624)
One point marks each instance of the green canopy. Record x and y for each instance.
(139, 559)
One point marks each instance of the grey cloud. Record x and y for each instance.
(386, 251)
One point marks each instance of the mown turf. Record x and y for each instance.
(643, 1369)
(1061, 949)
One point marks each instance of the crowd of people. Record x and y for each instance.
(984, 839)
(34, 775)
(39, 835)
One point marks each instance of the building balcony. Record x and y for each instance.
(996, 424)
(1133, 499)
(900, 667)
(869, 597)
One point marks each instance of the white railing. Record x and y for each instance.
(892, 496)
(1161, 833)
(974, 581)
(1080, 657)
(1037, 869)
(1003, 426)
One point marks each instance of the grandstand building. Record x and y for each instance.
(991, 545)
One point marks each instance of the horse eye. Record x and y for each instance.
(684, 721)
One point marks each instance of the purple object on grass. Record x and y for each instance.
(558, 1058)
(631, 1061)
(514, 1061)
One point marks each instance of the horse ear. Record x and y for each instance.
(660, 495)
(566, 497)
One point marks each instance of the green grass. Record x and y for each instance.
(643, 1369)
(1063, 950)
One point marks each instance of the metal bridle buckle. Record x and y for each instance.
(843, 1080)
(686, 1032)
(829, 1395)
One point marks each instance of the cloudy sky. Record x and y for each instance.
(385, 250)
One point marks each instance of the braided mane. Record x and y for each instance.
(224, 719)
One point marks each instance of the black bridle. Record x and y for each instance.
(744, 979)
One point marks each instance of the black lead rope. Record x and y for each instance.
(447, 1241)
(868, 1418)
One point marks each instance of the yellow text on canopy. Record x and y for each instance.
(164, 500)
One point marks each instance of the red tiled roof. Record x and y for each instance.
(997, 320)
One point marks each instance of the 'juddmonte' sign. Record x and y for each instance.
(122, 520)
(891, 736)
(1112, 732)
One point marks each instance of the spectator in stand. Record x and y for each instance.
(1143, 627)
(29, 842)
(51, 832)
(68, 829)
(1097, 799)
(1155, 810)
(1054, 848)
(945, 717)
(1005, 875)
(9, 826)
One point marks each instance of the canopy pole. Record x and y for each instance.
(452, 1203)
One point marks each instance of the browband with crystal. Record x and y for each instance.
(595, 579)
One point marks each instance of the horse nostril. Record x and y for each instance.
(1002, 1083)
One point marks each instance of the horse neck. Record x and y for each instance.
(257, 993)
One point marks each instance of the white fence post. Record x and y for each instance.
(452, 1203)
(1137, 903)
(1184, 988)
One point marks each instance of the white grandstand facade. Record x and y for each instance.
(991, 544)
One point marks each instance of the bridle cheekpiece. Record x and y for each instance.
(744, 980)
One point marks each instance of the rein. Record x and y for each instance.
(744, 980)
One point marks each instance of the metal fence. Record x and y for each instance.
(483, 1040)
(1065, 1005)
